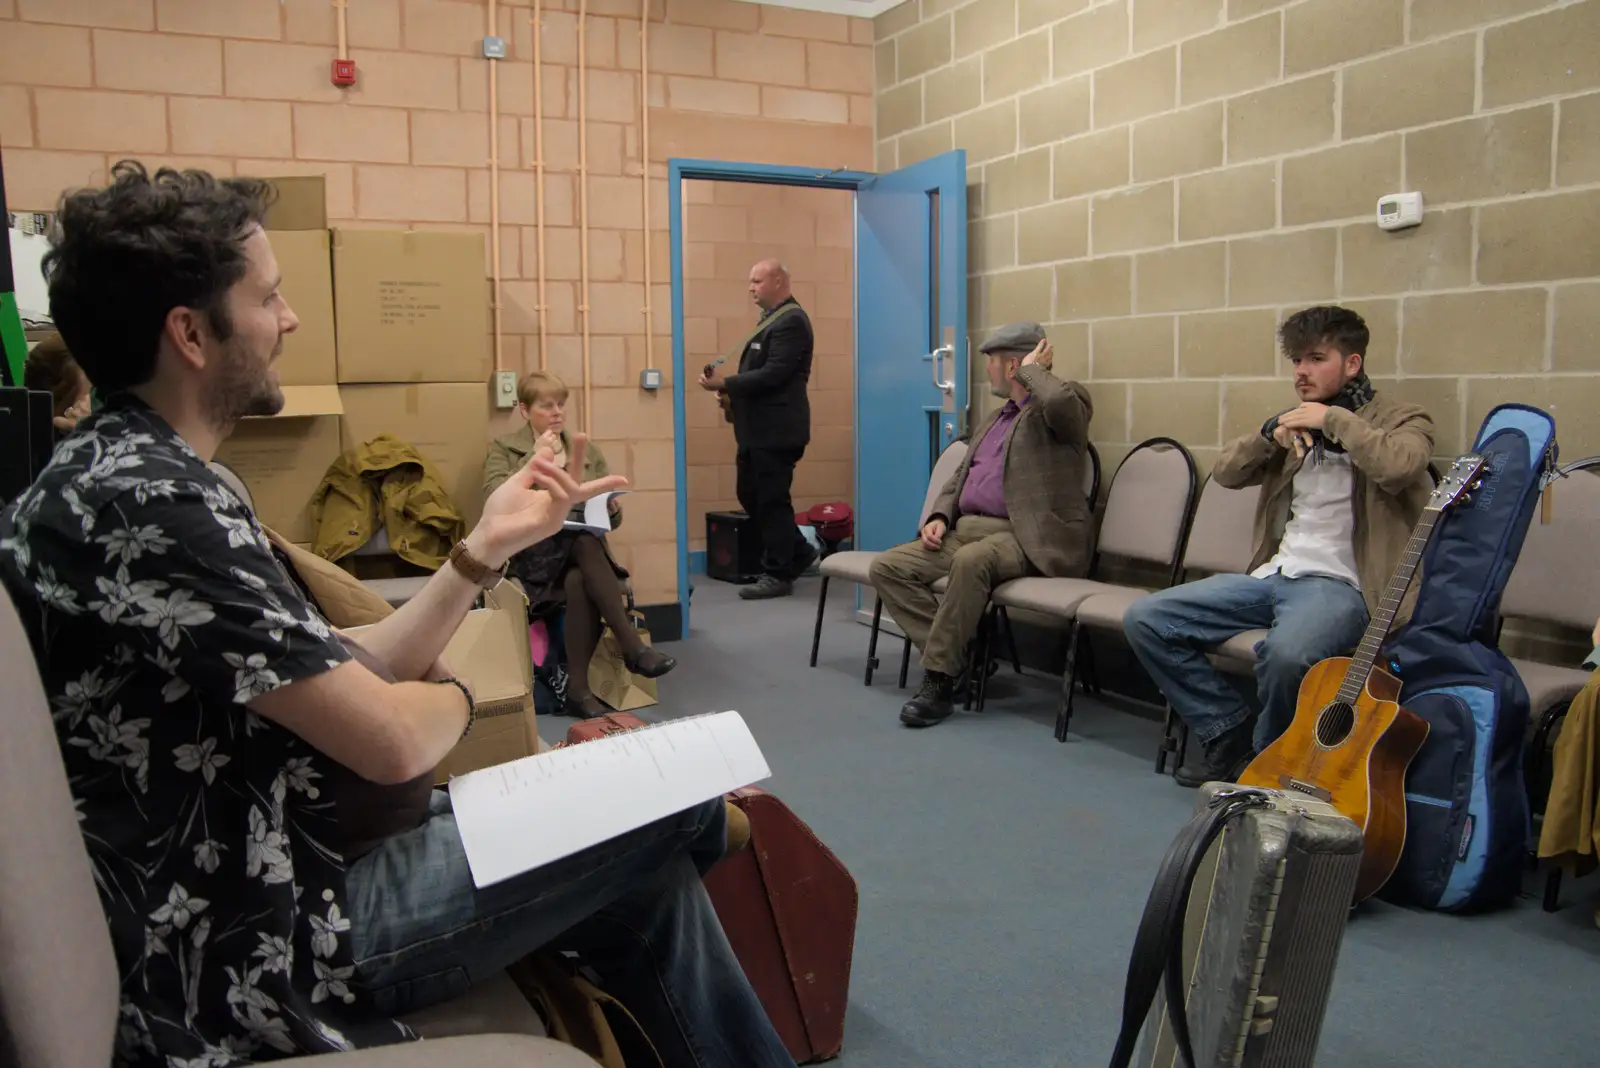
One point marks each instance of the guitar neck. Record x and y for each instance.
(1366, 654)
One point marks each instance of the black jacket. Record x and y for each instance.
(770, 408)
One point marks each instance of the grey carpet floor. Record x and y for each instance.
(1002, 874)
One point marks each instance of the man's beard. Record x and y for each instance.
(1000, 389)
(244, 388)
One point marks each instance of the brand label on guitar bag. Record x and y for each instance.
(1466, 840)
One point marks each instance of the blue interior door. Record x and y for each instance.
(911, 339)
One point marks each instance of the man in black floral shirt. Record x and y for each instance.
(213, 725)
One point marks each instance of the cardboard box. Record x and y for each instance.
(282, 461)
(305, 258)
(411, 307)
(302, 203)
(490, 652)
(447, 422)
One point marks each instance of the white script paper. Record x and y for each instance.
(517, 816)
(596, 514)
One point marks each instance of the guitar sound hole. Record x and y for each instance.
(1335, 724)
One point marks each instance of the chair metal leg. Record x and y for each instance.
(1552, 890)
(905, 662)
(1011, 638)
(977, 653)
(1174, 741)
(980, 665)
(872, 643)
(1091, 668)
(1068, 673)
(816, 635)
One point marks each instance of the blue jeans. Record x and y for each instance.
(1309, 619)
(633, 908)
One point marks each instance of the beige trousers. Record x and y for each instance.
(978, 554)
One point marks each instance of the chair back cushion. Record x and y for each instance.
(1148, 504)
(58, 977)
(1222, 536)
(946, 466)
(1555, 578)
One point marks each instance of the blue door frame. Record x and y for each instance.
(952, 282)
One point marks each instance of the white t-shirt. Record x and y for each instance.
(1319, 537)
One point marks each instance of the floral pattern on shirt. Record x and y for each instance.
(156, 611)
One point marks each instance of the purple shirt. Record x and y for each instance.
(984, 492)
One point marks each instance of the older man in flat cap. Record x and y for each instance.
(1014, 507)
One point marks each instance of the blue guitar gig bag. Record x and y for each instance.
(1467, 820)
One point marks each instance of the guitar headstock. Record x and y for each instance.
(1457, 484)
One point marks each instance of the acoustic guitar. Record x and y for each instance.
(1351, 743)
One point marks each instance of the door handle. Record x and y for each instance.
(936, 360)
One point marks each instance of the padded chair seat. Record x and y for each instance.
(1052, 596)
(496, 1006)
(1238, 651)
(852, 565)
(1105, 610)
(397, 591)
(1549, 684)
(471, 1051)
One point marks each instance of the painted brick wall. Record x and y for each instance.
(728, 226)
(1161, 181)
(242, 87)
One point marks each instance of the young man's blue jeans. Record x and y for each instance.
(633, 908)
(1309, 619)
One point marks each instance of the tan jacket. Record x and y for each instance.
(1045, 453)
(1389, 444)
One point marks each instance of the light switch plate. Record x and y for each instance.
(505, 389)
(650, 378)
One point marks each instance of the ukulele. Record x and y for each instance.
(1350, 742)
(723, 400)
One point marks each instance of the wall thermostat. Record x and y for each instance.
(1399, 210)
(650, 378)
(505, 389)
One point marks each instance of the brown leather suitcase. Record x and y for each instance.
(611, 723)
(789, 909)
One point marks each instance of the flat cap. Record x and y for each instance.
(1014, 337)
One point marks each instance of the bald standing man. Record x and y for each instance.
(771, 425)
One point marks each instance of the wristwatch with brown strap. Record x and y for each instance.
(475, 570)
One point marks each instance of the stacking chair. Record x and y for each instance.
(1555, 582)
(58, 977)
(1220, 542)
(856, 565)
(1147, 514)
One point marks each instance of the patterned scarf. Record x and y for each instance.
(1356, 394)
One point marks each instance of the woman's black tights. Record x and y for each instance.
(594, 598)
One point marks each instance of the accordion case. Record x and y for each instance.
(1262, 928)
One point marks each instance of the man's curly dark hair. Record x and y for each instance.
(124, 256)
(1324, 325)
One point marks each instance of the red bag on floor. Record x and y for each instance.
(789, 909)
(611, 723)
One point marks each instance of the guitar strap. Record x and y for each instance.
(766, 323)
(1158, 946)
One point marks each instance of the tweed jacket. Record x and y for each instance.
(1389, 444)
(1045, 455)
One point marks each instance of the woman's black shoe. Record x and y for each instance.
(650, 663)
(586, 707)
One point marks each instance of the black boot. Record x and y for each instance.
(933, 702)
(1218, 760)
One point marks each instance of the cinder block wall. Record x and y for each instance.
(1161, 181)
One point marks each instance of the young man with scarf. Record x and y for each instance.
(1343, 477)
